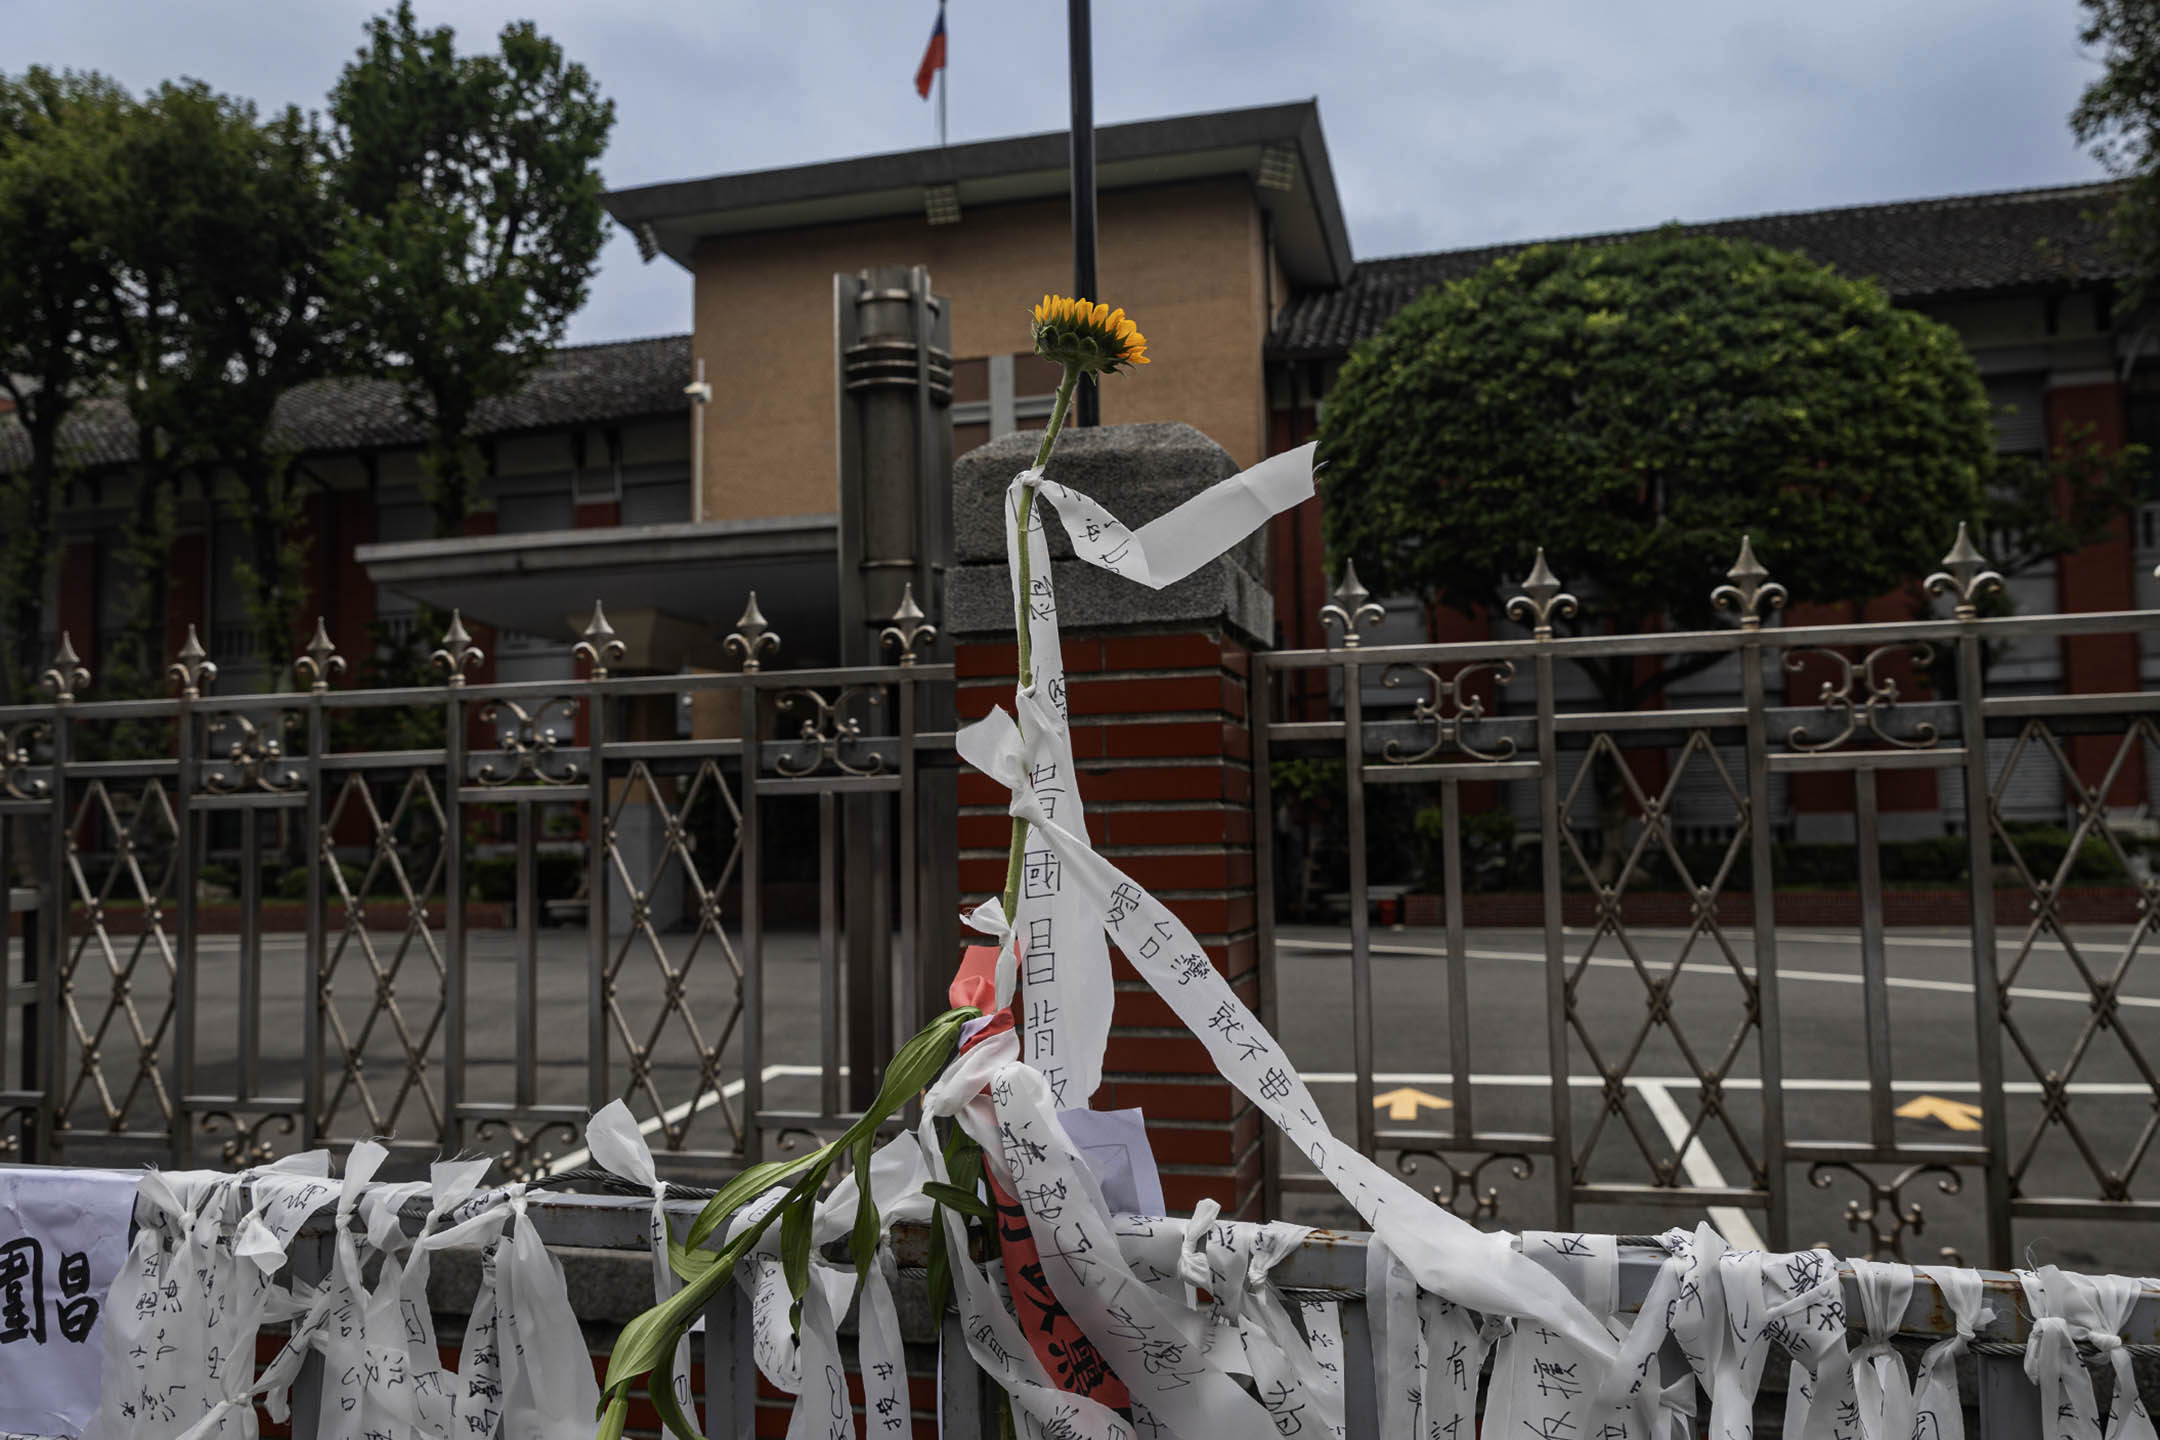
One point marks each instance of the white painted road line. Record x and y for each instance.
(1732, 1222)
(675, 1115)
(1701, 967)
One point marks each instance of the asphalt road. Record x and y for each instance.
(1824, 1089)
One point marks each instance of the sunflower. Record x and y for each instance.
(1091, 338)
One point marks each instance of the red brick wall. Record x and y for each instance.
(2097, 578)
(1161, 737)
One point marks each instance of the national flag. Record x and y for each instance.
(933, 57)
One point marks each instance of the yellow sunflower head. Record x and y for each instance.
(1097, 339)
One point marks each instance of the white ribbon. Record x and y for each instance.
(617, 1145)
(1445, 1254)
(993, 1336)
(1157, 1347)
(1391, 1317)
(1543, 1384)
(2068, 1308)
(1061, 958)
(1937, 1411)
(1324, 1344)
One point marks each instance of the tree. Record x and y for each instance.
(1635, 408)
(2119, 117)
(473, 221)
(55, 132)
(218, 230)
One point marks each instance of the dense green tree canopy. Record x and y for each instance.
(1635, 408)
(471, 192)
(57, 132)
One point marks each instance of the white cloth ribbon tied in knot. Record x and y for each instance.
(2068, 1308)
(1880, 1386)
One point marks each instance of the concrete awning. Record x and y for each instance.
(672, 592)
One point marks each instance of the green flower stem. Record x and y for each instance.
(1020, 615)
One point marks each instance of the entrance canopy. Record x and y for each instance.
(672, 592)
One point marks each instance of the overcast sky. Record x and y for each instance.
(1450, 124)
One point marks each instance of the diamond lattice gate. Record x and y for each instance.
(460, 916)
(1893, 851)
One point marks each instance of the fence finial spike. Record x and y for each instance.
(752, 636)
(1541, 600)
(458, 653)
(598, 646)
(192, 669)
(909, 625)
(1752, 591)
(320, 660)
(66, 677)
(1964, 576)
(1352, 607)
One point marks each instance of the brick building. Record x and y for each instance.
(1223, 232)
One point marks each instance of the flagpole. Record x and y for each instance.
(1081, 47)
(943, 71)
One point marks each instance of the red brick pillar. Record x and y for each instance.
(2097, 578)
(1157, 691)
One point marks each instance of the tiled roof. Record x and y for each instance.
(578, 385)
(1919, 249)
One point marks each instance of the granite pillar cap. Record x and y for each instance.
(1137, 472)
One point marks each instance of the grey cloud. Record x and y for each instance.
(1450, 125)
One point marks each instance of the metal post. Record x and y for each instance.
(753, 928)
(1987, 988)
(1874, 966)
(828, 955)
(1556, 986)
(892, 341)
(1259, 711)
(453, 1089)
(41, 1033)
(312, 1120)
(1458, 962)
(525, 999)
(731, 1377)
(1081, 45)
(599, 839)
(1361, 999)
(187, 827)
(250, 961)
(1764, 887)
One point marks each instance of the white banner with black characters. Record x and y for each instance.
(63, 1241)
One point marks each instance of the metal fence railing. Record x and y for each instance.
(1656, 854)
(468, 914)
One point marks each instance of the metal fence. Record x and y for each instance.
(467, 915)
(1658, 842)
(164, 999)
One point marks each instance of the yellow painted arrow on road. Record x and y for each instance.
(1403, 1104)
(1957, 1114)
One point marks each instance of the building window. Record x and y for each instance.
(998, 394)
(596, 470)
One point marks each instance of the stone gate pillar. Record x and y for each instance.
(1157, 683)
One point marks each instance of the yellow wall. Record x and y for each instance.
(1185, 261)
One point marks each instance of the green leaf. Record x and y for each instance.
(954, 1198)
(660, 1387)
